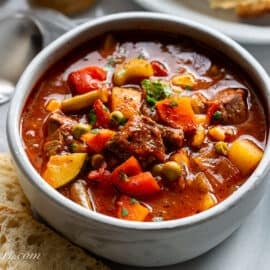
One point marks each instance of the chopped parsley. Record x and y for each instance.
(133, 201)
(188, 87)
(73, 147)
(141, 56)
(122, 121)
(173, 103)
(124, 212)
(157, 219)
(155, 91)
(217, 115)
(92, 117)
(111, 62)
(123, 176)
(151, 101)
(95, 130)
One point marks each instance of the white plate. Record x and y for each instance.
(254, 31)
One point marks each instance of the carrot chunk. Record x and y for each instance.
(141, 184)
(177, 113)
(130, 179)
(97, 139)
(130, 209)
(128, 168)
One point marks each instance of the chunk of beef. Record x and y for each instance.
(218, 169)
(140, 137)
(57, 130)
(199, 103)
(56, 120)
(172, 136)
(233, 106)
(54, 143)
(149, 112)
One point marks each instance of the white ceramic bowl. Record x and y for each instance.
(137, 243)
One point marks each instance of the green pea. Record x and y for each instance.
(171, 170)
(117, 117)
(221, 148)
(79, 129)
(156, 170)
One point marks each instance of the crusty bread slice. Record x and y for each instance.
(224, 4)
(26, 244)
(253, 8)
(243, 8)
(11, 194)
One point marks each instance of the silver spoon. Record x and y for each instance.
(23, 35)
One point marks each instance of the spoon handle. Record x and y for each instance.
(52, 24)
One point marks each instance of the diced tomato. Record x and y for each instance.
(159, 69)
(130, 209)
(177, 113)
(102, 114)
(130, 167)
(86, 79)
(97, 139)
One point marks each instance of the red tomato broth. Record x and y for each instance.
(187, 56)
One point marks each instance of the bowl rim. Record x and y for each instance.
(19, 155)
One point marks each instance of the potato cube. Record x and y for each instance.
(245, 155)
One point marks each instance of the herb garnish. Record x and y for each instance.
(157, 219)
(122, 121)
(133, 201)
(95, 130)
(124, 212)
(111, 62)
(123, 176)
(155, 91)
(173, 103)
(188, 87)
(217, 115)
(92, 117)
(141, 56)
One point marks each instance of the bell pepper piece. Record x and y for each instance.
(102, 114)
(159, 69)
(86, 79)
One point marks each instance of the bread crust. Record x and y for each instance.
(25, 243)
(243, 8)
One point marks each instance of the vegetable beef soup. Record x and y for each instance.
(144, 127)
